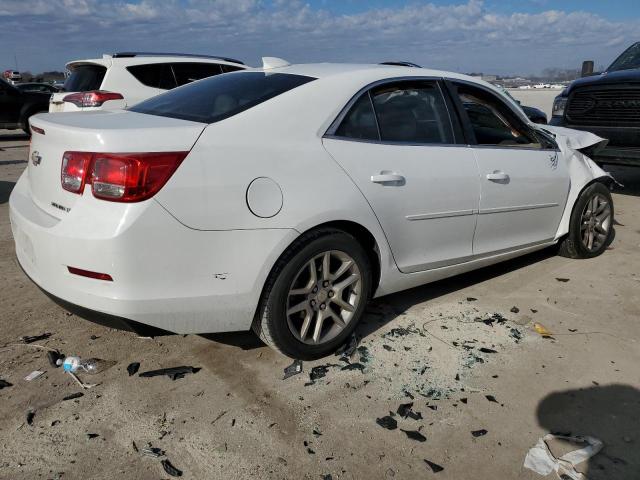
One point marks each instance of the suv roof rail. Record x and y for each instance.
(158, 54)
(402, 64)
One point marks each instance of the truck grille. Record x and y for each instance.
(619, 107)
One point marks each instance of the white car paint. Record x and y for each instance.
(118, 79)
(195, 257)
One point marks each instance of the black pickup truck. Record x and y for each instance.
(16, 106)
(607, 104)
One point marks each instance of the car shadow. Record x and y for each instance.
(12, 137)
(610, 413)
(629, 177)
(5, 190)
(398, 303)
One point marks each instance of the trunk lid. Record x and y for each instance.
(101, 131)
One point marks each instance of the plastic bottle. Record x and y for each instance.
(90, 366)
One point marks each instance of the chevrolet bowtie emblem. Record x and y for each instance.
(36, 158)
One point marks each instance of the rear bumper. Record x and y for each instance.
(164, 274)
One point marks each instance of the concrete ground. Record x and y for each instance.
(469, 359)
(539, 98)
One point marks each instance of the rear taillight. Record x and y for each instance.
(74, 171)
(91, 99)
(119, 177)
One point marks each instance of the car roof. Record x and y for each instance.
(108, 60)
(367, 71)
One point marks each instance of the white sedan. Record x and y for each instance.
(283, 198)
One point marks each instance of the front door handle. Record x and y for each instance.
(386, 177)
(498, 176)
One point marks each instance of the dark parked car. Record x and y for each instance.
(36, 87)
(17, 106)
(607, 104)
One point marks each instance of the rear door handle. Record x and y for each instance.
(497, 176)
(388, 177)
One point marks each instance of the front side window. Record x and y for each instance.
(404, 112)
(492, 122)
(219, 97)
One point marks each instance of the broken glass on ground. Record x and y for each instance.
(387, 422)
(173, 373)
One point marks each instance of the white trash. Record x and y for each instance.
(542, 461)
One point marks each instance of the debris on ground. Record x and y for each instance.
(170, 469)
(30, 416)
(133, 368)
(541, 460)
(435, 468)
(488, 350)
(514, 309)
(491, 398)
(73, 396)
(85, 386)
(415, 435)
(92, 435)
(5, 384)
(173, 373)
(479, 433)
(55, 358)
(387, 422)
(92, 366)
(349, 348)
(151, 451)
(33, 375)
(563, 280)
(353, 366)
(293, 369)
(469, 299)
(515, 334)
(34, 338)
(405, 410)
(541, 329)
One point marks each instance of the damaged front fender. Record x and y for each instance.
(574, 146)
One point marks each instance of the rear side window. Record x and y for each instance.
(412, 112)
(190, 72)
(402, 112)
(229, 68)
(148, 75)
(84, 78)
(360, 123)
(219, 97)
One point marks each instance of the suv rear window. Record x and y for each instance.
(223, 96)
(84, 78)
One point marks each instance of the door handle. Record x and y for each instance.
(498, 176)
(385, 177)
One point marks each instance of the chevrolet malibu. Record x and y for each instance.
(282, 199)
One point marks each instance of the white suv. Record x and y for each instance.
(124, 79)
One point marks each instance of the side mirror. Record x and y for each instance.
(587, 68)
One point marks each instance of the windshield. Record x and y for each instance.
(84, 78)
(216, 98)
(629, 59)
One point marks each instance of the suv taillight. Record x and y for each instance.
(119, 177)
(91, 99)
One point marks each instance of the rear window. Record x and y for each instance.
(84, 78)
(223, 96)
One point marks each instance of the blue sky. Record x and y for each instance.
(492, 36)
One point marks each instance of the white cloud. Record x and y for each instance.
(465, 36)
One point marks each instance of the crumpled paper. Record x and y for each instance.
(540, 459)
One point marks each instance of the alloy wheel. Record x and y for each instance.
(595, 222)
(323, 297)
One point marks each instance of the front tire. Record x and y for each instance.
(315, 295)
(591, 225)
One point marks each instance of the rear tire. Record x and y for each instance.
(307, 310)
(591, 224)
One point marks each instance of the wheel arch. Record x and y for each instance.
(563, 229)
